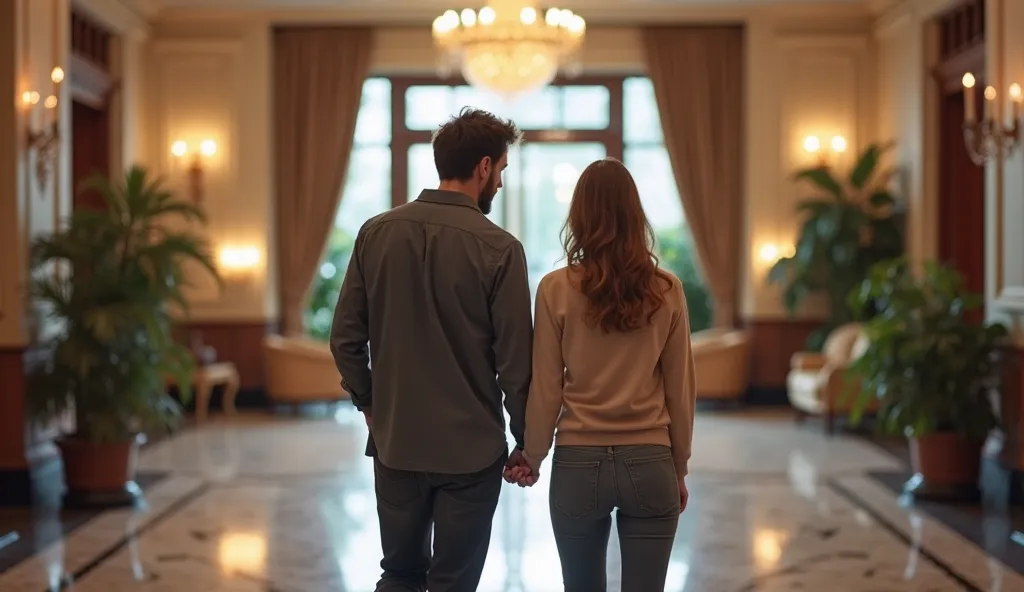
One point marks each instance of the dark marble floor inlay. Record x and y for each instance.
(993, 530)
(29, 531)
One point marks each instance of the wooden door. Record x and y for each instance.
(90, 150)
(961, 200)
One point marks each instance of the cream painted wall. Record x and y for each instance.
(39, 41)
(908, 113)
(800, 82)
(1005, 271)
(28, 208)
(211, 78)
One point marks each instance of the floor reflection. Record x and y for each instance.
(288, 505)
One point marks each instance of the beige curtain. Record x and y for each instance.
(698, 81)
(318, 81)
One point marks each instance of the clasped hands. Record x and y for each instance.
(518, 471)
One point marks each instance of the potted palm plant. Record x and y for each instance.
(930, 370)
(106, 284)
(846, 229)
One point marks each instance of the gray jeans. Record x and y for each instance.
(587, 483)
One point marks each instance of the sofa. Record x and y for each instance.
(818, 384)
(721, 359)
(301, 371)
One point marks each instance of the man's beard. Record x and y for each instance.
(486, 197)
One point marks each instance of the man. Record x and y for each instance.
(437, 296)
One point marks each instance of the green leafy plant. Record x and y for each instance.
(323, 295)
(929, 368)
(845, 231)
(677, 255)
(107, 282)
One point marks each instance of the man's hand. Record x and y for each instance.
(518, 471)
(684, 495)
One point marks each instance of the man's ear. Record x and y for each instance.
(485, 167)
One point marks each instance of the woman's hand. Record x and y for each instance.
(684, 495)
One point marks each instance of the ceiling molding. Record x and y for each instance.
(894, 20)
(116, 16)
(599, 12)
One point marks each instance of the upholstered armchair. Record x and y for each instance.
(721, 358)
(300, 371)
(818, 383)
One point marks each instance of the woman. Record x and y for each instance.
(613, 371)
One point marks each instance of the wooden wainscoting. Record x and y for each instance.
(772, 343)
(1012, 408)
(239, 342)
(12, 409)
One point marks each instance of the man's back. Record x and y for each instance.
(443, 296)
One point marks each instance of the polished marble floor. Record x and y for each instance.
(286, 505)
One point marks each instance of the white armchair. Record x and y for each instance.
(818, 383)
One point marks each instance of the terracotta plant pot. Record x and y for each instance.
(945, 465)
(100, 474)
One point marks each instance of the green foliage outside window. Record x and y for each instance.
(678, 255)
(675, 250)
(327, 285)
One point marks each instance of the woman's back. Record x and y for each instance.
(613, 370)
(614, 387)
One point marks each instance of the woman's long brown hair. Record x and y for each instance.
(609, 248)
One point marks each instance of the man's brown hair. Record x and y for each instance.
(465, 139)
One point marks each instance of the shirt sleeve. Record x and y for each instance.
(350, 333)
(545, 402)
(513, 334)
(680, 383)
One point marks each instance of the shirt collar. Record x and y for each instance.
(449, 198)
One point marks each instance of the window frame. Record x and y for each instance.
(402, 138)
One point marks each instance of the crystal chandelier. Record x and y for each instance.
(509, 47)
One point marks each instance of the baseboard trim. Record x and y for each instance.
(1002, 487)
(766, 397)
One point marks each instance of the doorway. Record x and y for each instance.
(90, 151)
(961, 228)
(91, 86)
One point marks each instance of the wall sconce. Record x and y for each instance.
(836, 147)
(207, 149)
(990, 136)
(238, 261)
(45, 141)
(770, 253)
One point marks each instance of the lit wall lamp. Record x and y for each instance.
(238, 261)
(46, 141)
(836, 147)
(181, 150)
(990, 136)
(769, 253)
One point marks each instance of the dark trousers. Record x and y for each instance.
(459, 509)
(587, 484)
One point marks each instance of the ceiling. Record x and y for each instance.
(420, 10)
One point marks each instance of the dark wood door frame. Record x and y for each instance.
(961, 232)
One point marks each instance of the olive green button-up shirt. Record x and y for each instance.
(436, 295)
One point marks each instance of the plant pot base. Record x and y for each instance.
(918, 488)
(130, 495)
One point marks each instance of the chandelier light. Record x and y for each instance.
(509, 47)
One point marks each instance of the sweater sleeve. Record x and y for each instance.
(544, 404)
(680, 383)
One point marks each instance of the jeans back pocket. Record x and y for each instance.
(574, 486)
(655, 483)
